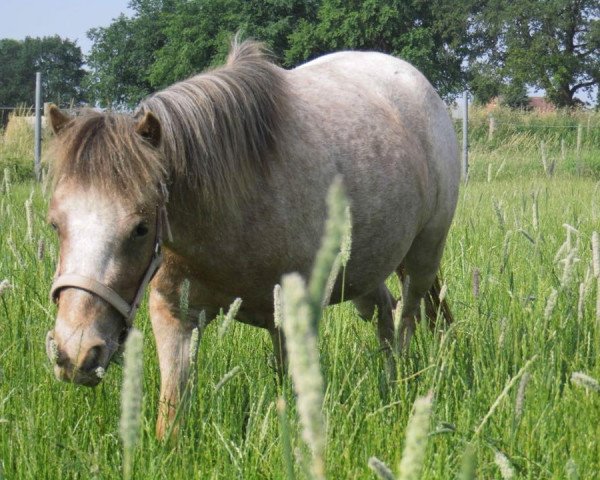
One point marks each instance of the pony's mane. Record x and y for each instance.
(219, 131)
(104, 150)
(220, 128)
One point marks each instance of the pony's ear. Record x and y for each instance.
(149, 129)
(58, 120)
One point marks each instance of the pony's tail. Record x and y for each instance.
(433, 305)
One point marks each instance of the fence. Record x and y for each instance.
(6, 111)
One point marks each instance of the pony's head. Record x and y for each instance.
(106, 209)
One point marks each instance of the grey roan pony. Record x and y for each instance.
(247, 152)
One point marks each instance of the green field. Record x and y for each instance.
(511, 334)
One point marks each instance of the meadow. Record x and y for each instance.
(512, 380)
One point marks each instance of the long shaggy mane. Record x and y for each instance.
(220, 128)
(219, 135)
(103, 150)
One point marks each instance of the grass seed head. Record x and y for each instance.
(4, 286)
(53, 352)
(583, 380)
(596, 254)
(499, 214)
(6, 181)
(417, 431)
(443, 292)
(569, 263)
(41, 249)
(550, 304)
(277, 306)
(507, 472)
(234, 308)
(303, 353)
(535, 215)
(476, 282)
(228, 377)
(194, 341)
(598, 302)
(131, 396)
(571, 470)
(520, 400)
(581, 301)
(380, 469)
(29, 218)
(346, 245)
(328, 254)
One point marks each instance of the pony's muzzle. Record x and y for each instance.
(88, 366)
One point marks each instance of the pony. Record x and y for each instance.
(221, 179)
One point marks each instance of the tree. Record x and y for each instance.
(123, 53)
(552, 44)
(167, 41)
(60, 62)
(198, 34)
(432, 35)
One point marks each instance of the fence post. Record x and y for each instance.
(578, 166)
(544, 160)
(38, 126)
(492, 128)
(465, 129)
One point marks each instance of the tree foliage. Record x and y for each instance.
(124, 52)
(495, 47)
(167, 41)
(60, 62)
(199, 32)
(548, 44)
(431, 35)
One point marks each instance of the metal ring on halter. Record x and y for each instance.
(126, 309)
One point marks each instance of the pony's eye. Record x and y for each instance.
(54, 226)
(140, 231)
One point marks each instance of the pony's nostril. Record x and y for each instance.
(92, 359)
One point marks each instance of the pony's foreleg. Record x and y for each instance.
(173, 337)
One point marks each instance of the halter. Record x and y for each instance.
(127, 310)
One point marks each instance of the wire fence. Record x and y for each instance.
(5, 114)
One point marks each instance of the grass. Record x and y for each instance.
(16, 144)
(474, 369)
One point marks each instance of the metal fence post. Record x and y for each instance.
(465, 131)
(38, 127)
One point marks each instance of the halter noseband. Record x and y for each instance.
(127, 310)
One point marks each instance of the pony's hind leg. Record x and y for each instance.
(418, 274)
(382, 300)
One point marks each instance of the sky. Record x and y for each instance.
(67, 18)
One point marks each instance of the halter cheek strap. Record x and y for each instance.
(127, 310)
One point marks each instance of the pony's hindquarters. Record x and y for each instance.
(399, 157)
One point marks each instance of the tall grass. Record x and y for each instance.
(16, 144)
(523, 141)
(514, 382)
